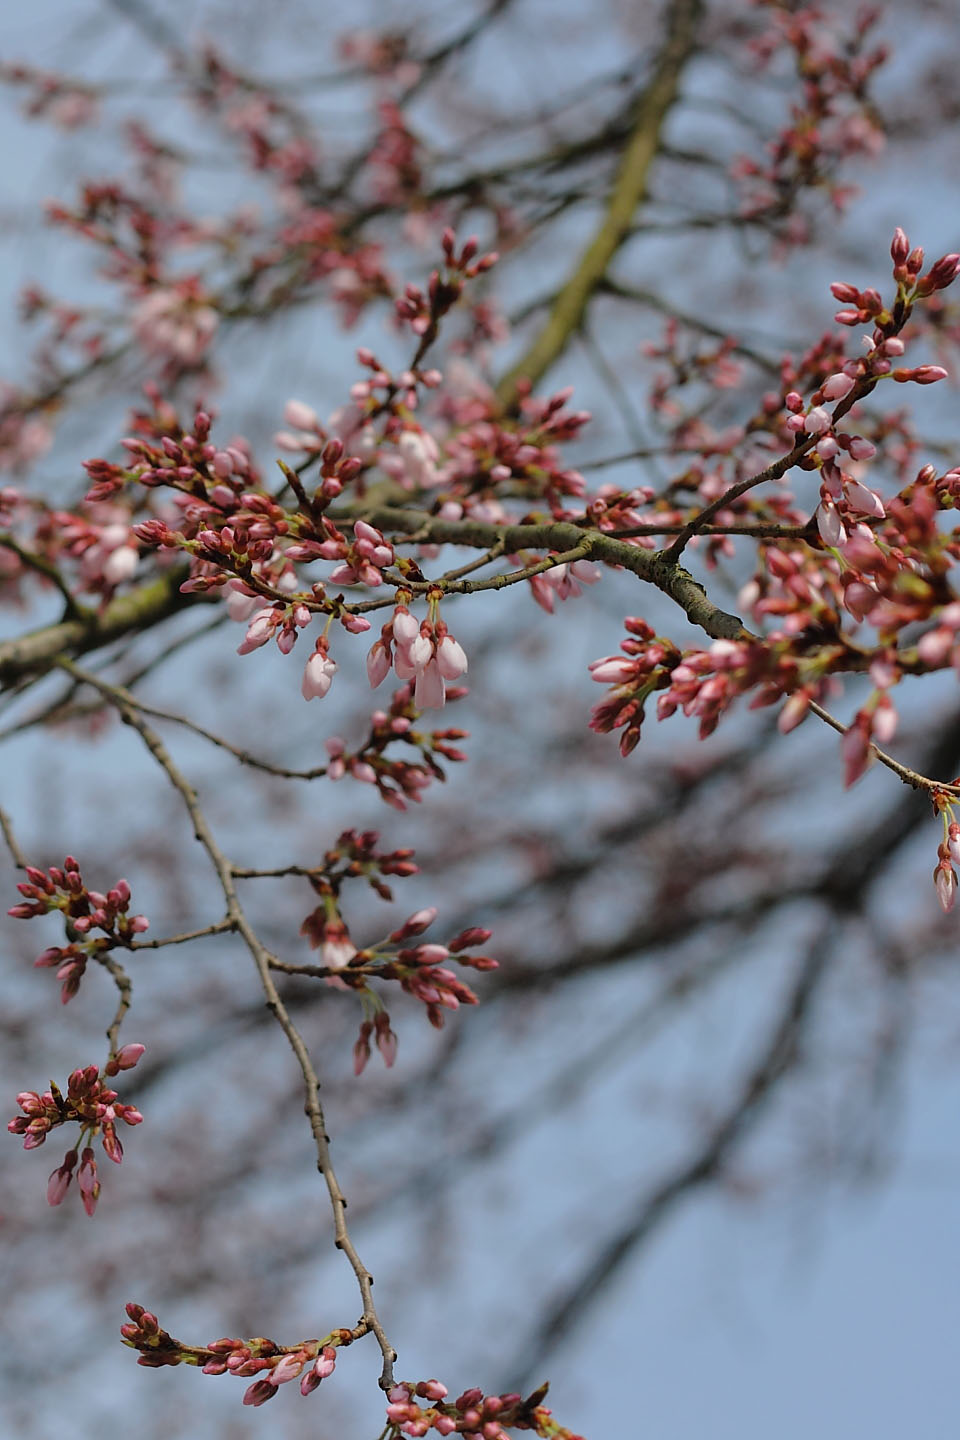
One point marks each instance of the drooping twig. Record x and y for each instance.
(262, 960)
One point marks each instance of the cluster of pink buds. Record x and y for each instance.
(386, 1042)
(398, 781)
(88, 1103)
(275, 622)
(875, 723)
(423, 312)
(425, 653)
(307, 434)
(907, 264)
(835, 116)
(364, 559)
(421, 969)
(699, 682)
(644, 667)
(473, 1415)
(83, 909)
(68, 103)
(486, 452)
(272, 1364)
(562, 582)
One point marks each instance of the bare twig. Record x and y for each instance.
(262, 960)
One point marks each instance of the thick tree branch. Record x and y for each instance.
(652, 107)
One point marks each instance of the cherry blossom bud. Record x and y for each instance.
(837, 387)
(129, 1055)
(88, 1182)
(945, 881)
(613, 670)
(864, 500)
(830, 525)
(934, 647)
(121, 564)
(817, 421)
(451, 660)
(361, 1048)
(899, 248)
(299, 415)
(431, 954)
(378, 664)
(59, 1181)
(419, 921)
(317, 676)
(846, 294)
(386, 1040)
(260, 629)
(356, 624)
(884, 721)
(405, 627)
(855, 749)
(861, 449)
(793, 712)
(429, 692)
(259, 1392)
(287, 1369)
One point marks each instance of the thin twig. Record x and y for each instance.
(19, 859)
(913, 778)
(261, 958)
(220, 927)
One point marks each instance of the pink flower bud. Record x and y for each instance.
(451, 660)
(818, 421)
(861, 449)
(855, 748)
(945, 881)
(431, 954)
(429, 693)
(838, 387)
(378, 664)
(299, 415)
(793, 712)
(864, 500)
(899, 248)
(830, 525)
(317, 676)
(128, 1056)
(259, 1393)
(934, 647)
